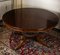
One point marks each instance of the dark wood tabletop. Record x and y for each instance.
(30, 19)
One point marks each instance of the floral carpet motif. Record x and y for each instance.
(32, 47)
(48, 45)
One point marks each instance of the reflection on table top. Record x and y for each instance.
(30, 19)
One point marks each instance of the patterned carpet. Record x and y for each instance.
(31, 47)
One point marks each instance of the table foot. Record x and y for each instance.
(17, 40)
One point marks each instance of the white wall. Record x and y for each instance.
(53, 5)
(4, 7)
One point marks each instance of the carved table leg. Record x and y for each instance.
(20, 42)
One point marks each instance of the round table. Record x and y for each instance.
(29, 22)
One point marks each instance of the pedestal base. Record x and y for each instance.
(45, 44)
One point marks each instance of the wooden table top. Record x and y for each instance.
(30, 19)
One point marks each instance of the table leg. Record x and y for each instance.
(17, 40)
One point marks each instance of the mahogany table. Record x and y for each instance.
(29, 22)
